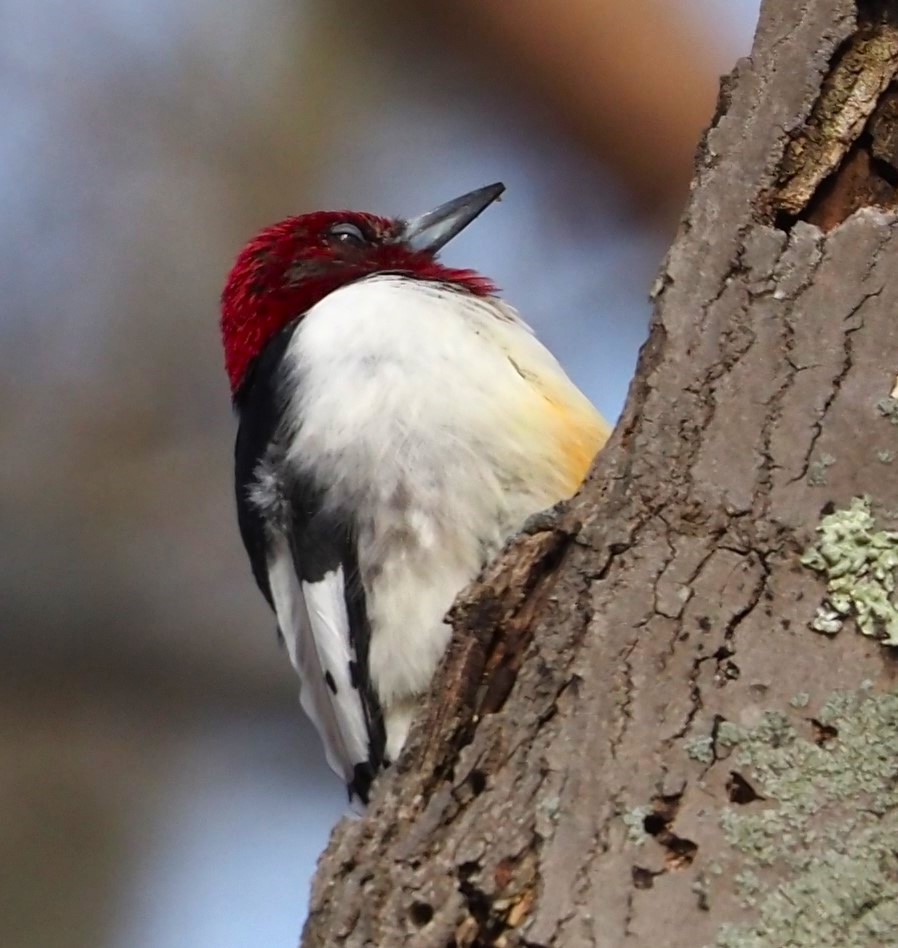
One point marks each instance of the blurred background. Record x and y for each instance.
(158, 785)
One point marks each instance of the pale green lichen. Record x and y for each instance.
(701, 749)
(888, 408)
(800, 700)
(817, 470)
(818, 855)
(634, 820)
(885, 456)
(859, 563)
(748, 885)
(728, 734)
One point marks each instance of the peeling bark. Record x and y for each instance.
(629, 682)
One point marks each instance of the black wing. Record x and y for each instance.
(260, 412)
(303, 555)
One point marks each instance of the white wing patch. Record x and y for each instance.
(315, 626)
(326, 607)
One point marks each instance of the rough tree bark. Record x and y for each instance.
(668, 715)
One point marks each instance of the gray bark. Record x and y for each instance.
(637, 737)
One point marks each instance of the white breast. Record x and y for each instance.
(435, 417)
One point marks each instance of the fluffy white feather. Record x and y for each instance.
(440, 421)
(312, 618)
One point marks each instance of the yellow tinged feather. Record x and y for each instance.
(564, 430)
(580, 432)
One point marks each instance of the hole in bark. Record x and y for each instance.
(420, 913)
(864, 173)
(828, 508)
(477, 779)
(725, 672)
(662, 815)
(478, 902)
(468, 869)
(886, 171)
(823, 733)
(483, 927)
(704, 623)
(680, 852)
(856, 183)
(642, 878)
(739, 790)
(784, 221)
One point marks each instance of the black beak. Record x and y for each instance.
(436, 228)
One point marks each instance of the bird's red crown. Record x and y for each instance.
(289, 267)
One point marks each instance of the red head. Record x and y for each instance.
(288, 267)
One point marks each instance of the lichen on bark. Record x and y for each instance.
(818, 858)
(858, 563)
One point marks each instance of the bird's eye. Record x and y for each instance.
(348, 235)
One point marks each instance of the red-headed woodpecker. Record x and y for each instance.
(397, 423)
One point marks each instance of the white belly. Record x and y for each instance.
(425, 408)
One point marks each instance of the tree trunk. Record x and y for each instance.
(667, 717)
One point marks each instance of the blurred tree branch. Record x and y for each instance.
(625, 78)
(627, 82)
(636, 735)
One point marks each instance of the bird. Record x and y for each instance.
(397, 423)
